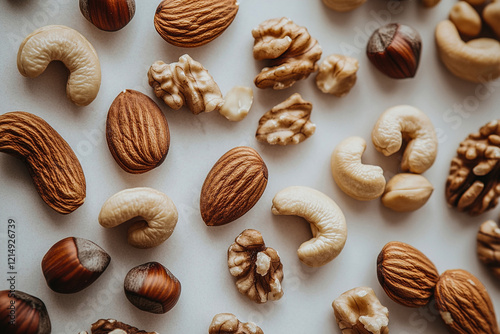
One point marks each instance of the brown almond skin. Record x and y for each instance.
(406, 274)
(137, 132)
(192, 23)
(233, 186)
(464, 304)
(56, 172)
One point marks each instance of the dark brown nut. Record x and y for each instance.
(227, 323)
(287, 123)
(108, 15)
(22, 313)
(292, 52)
(394, 50)
(258, 268)
(473, 183)
(103, 326)
(488, 246)
(406, 274)
(152, 288)
(137, 132)
(73, 264)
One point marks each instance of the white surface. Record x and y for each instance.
(197, 254)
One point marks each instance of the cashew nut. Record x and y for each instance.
(491, 15)
(465, 18)
(67, 45)
(153, 213)
(343, 5)
(327, 222)
(412, 125)
(362, 182)
(477, 60)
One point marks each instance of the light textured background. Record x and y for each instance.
(197, 254)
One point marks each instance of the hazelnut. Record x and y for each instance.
(108, 15)
(394, 49)
(73, 264)
(22, 313)
(152, 288)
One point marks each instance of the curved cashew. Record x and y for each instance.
(327, 222)
(362, 182)
(154, 215)
(491, 15)
(477, 60)
(343, 5)
(411, 124)
(68, 46)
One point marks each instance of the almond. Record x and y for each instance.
(52, 164)
(191, 23)
(233, 186)
(464, 304)
(137, 132)
(406, 274)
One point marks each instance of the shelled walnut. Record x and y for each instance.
(227, 323)
(473, 184)
(337, 74)
(186, 82)
(488, 246)
(258, 268)
(292, 52)
(287, 123)
(103, 326)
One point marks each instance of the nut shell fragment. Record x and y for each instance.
(488, 246)
(105, 326)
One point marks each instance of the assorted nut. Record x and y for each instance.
(137, 132)
(23, 313)
(72, 264)
(108, 15)
(291, 51)
(488, 246)
(227, 323)
(337, 74)
(152, 288)
(465, 18)
(407, 123)
(258, 268)
(53, 166)
(186, 82)
(491, 15)
(394, 50)
(233, 186)
(362, 182)
(407, 192)
(358, 311)
(327, 222)
(237, 103)
(343, 5)
(105, 326)
(56, 42)
(473, 184)
(287, 123)
(192, 23)
(153, 213)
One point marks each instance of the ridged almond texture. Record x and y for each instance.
(233, 186)
(56, 172)
(406, 274)
(137, 132)
(191, 23)
(464, 304)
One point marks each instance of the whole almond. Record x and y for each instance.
(137, 132)
(191, 23)
(464, 304)
(233, 186)
(56, 172)
(406, 274)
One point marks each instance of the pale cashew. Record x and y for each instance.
(362, 182)
(154, 215)
(465, 18)
(476, 61)
(343, 5)
(67, 45)
(327, 222)
(412, 125)
(491, 15)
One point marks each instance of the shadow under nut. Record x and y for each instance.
(153, 213)
(56, 172)
(325, 217)
(56, 42)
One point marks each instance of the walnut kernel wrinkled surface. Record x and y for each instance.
(287, 123)
(185, 82)
(337, 74)
(103, 326)
(488, 246)
(227, 323)
(292, 52)
(258, 268)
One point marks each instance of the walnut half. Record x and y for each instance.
(227, 323)
(258, 268)
(103, 326)
(488, 246)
